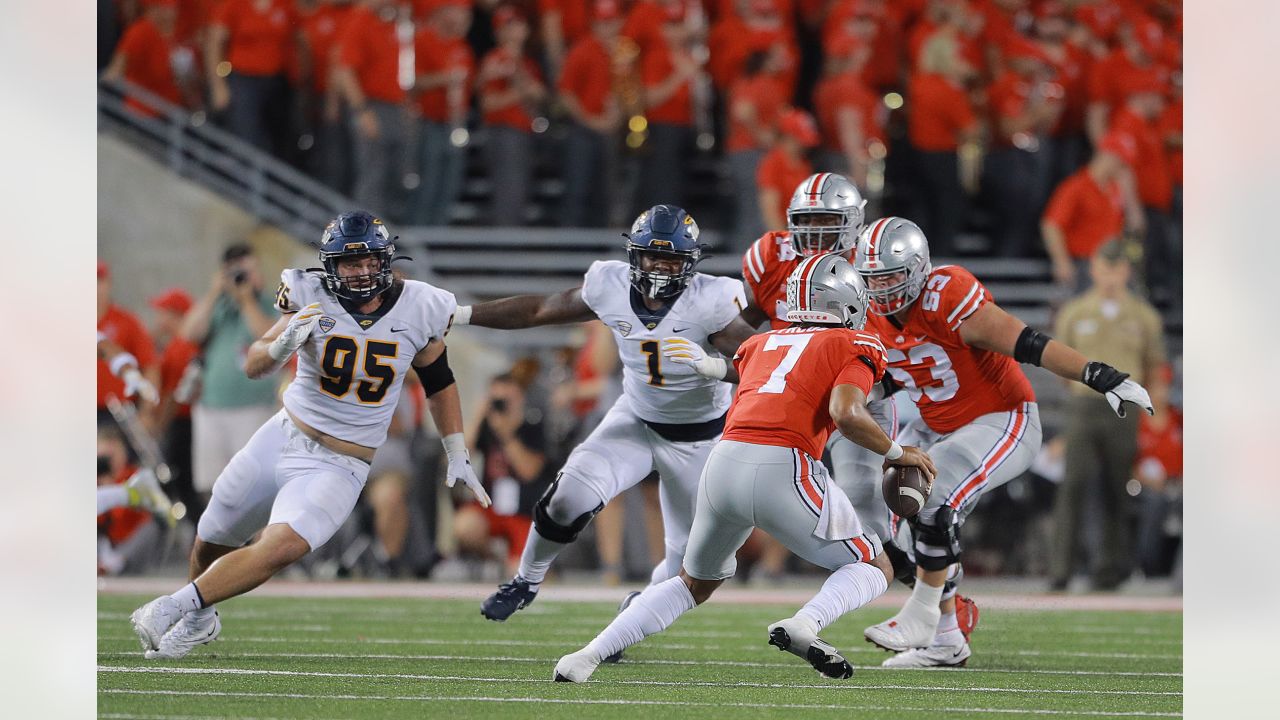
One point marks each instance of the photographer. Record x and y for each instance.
(511, 440)
(224, 323)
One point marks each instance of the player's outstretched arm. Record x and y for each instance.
(848, 408)
(524, 311)
(991, 328)
(445, 405)
(281, 340)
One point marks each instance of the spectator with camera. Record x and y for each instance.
(511, 441)
(234, 312)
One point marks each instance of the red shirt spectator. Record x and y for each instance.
(145, 55)
(433, 55)
(124, 329)
(766, 97)
(1170, 126)
(1151, 167)
(170, 307)
(659, 64)
(368, 45)
(785, 167)
(847, 91)
(1160, 444)
(1088, 213)
(119, 524)
(319, 31)
(259, 34)
(575, 18)
(588, 74)
(733, 39)
(937, 111)
(193, 21)
(502, 67)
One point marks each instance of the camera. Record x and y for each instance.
(498, 405)
(239, 277)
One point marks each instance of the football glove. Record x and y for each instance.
(295, 333)
(455, 449)
(679, 350)
(1116, 387)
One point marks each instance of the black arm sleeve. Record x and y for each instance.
(1030, 346)
(437, 376)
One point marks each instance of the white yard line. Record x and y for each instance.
(658, 683)
(630, 661)
(670, 703)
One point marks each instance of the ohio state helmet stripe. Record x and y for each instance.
(804, 282)
(873, 239)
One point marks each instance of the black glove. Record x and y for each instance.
(1102, 377)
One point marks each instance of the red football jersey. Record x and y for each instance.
(950, 381)
(786, 377)
(765, 267)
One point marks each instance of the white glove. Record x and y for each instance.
(136, 384)
(679, 350)
(1129, 392)
(295, 333)
(455, 448)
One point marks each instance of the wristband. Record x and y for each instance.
(454, 446)
(462, 316)
(118, 362)
(716, 367)
(894, 452)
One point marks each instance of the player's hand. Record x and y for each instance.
(460, 469)
(683, 352)
(295, 333)
(1129, 392)
(915, 457)
(136, 384)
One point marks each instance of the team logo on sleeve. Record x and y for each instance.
(326, 323)
(624, 327)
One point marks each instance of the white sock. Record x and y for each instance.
(849, 588)
(111, 497)
(948, 632)
(188, 598)
(923, 597)
(537, 557)
(653, 611)
(670, 566)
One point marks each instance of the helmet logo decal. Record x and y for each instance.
(356, 246)
(662, 243)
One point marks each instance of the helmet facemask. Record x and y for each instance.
(888, 297)
(817, 232)
(656, 284)
(358, 288)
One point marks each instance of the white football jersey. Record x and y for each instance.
(351, 368)
(660, 391)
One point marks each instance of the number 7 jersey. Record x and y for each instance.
(951, 382)
(352, 367)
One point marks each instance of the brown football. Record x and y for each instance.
(905, 490)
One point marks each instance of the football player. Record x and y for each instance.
(357, 331)
(826, 215)
(795, 386)
(667, 417)
(957, 355)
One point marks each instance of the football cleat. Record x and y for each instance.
(932, 656)
(903, 632)
(510, 597)
(187, 635)
(626, 602)
(153, 620)
(966, 615)
(150, 496)
(576, 667)
(796, 638)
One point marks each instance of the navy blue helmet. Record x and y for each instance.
(663, 231)
(352, 234)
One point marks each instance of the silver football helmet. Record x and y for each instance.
(825, 289)
(893, 259)
(830, 195)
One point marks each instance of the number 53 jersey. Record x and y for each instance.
(951, 382)
(351, 368)
(662, 392)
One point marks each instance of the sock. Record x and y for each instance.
(670, 566)
(188, 598)
(948, 632)
(113, 496)
(847, 589)
(537, 557)
(923, 597)
(653, 611)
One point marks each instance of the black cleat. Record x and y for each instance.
(561, 678)
(510, 597)
(626, 601)
(821, 655)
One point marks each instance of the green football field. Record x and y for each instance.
(324, 658)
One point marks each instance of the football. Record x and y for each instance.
(905, 490)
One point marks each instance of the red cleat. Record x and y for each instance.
(966, 615)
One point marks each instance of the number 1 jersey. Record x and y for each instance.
(351, 368)
(785, 382)
(951, 382)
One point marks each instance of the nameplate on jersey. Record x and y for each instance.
(624, 327)
(326, 323)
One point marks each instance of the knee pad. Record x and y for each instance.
(553, 530)
(904, 569)
(937, 539)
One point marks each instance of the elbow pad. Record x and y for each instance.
(437, 376)
(1030, 346)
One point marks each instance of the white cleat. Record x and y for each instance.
(932, 656)
(151, 496)
(186, 636)
(576, 667)
(901, 633)
(799, 639)
(153, 620)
